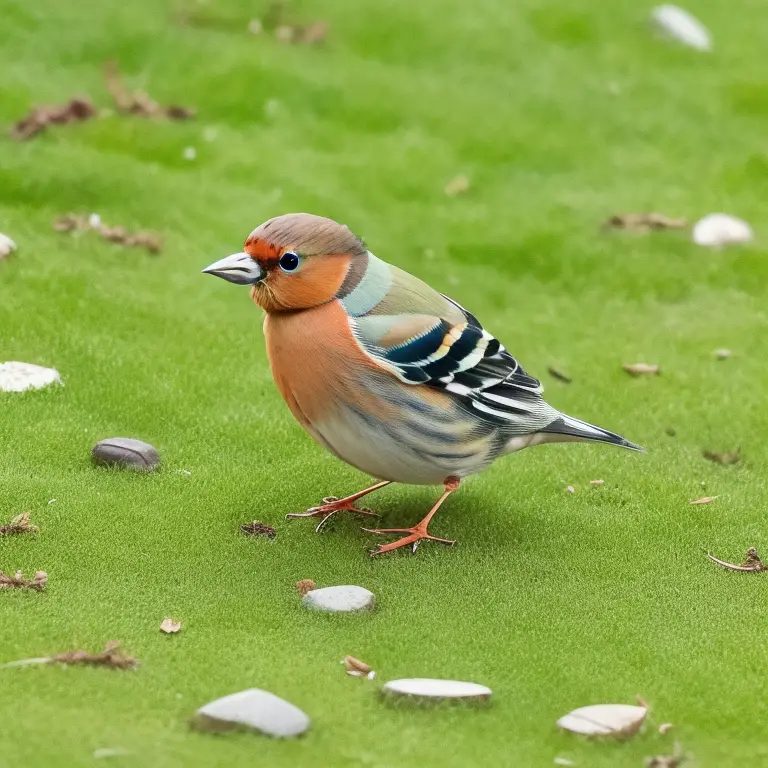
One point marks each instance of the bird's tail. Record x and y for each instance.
(566, 428)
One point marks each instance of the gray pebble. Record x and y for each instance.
(127, 453)
(255, 710)
(344, 599)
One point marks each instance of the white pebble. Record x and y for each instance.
(426, 688)
(18, 377)
(717, 229)
(343, 599)
(7, 246)
(682, 26)
(94, 221)
(604, 720)
(190, 153)
(253, 709)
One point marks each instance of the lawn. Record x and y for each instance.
(560, 115)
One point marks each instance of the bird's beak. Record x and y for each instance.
(238, 268)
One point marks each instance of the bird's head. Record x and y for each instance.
(295, 261)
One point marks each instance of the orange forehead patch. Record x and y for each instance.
(263, 252)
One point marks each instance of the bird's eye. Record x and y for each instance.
(289, 261)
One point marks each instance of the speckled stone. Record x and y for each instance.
(18, 377)
(253, 710)
(344, 599)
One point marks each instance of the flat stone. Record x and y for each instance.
(254, 710)
(427, 689)
(718, 229)
(343, 599)
(18, 377)
(7, 246)
(682, 26)
(127, 453)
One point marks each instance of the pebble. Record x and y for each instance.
(253, 709)
(18, 377)
(190, 153)
(7, 246)
(344, 599)
(127, 453)
(682, 26)
(615, 720)
(717, 229)
(437, 690)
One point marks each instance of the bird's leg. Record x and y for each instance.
(419, 532)
(331, 505)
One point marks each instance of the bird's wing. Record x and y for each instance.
(426, 338)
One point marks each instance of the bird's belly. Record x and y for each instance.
(404, 451)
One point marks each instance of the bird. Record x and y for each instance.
(388, 374)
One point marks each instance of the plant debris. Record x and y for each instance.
(357, 668)
(722, 354)
(17, 581)
(597, 483)
(138, 102)
(304, 586)
(72, 222)
(111, 656)
(703, 500)
(571, 489)
(170, 627)
(19, 524)
(458, 185)
(75, 110)
(665, 728)
(616, 720)
(258, 529)
(643, 222)
(751, 563)
(559, 375)
(666, 761)
(641, 369)
(726, 459)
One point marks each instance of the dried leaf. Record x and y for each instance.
(665, 728)
(643, 222)
(74, 111)
(357, 668)
(458, 185)
(597, 482)
(726, 459)
(17, 581)
(703, 500)
(258, 529)
(559, 375)
(641, 369)
(71, 222)
(111, 656)
(315, 33)
(169, 626)
(19, 524)
(615, 720)
(304, 586)
(751, 563)
(139, 103)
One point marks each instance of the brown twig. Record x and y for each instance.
(726, 458)
(751, 564)
(258, 529)
(74, 111)
(357, 668)
(72, 222)
(138, 102)
(19, 524)
(643, 222)
(17, 581)
(111, 656)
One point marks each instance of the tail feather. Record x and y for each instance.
(567, 428)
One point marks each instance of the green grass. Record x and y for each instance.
(561, 115)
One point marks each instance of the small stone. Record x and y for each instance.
(458, 185)
(254, 710)
(106, 752)
(426, 689)
(190, 153)
(682, 26)
(343, 599)
(18, 377)
(7, 246)
(617, 720)
(723, 354)
(255, 27)
(127, 453)
(718, 229)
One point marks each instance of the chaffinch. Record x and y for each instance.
(391, 376)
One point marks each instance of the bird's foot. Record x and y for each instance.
(330, 506)
(414, 537)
